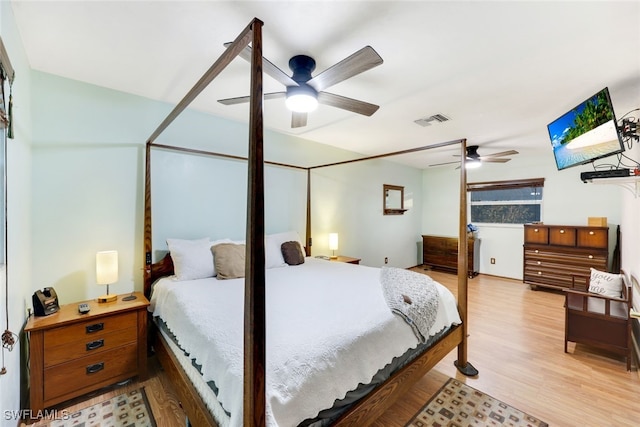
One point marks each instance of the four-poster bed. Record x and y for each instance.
(373, 404)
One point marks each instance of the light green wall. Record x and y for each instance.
(18, 216)
(88, 166)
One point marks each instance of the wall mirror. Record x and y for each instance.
(393, 200)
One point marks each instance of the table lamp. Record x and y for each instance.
(333, 244)
(107, 272)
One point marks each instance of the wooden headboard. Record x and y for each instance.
(162, 268)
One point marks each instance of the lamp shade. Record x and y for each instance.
(106, 267)
(333, 241)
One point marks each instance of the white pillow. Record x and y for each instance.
(606, 284)
(273, 247)
(192, 259)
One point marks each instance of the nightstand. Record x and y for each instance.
(346, 259)
(72, 354)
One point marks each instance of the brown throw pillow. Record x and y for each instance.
(292, 253)
(229, 260)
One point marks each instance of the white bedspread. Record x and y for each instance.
(328, 329)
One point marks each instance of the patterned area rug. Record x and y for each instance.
(125, 410)
(458, 405)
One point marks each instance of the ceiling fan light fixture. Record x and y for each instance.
(472, 164)
(301, 99)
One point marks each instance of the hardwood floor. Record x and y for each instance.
(517, 343)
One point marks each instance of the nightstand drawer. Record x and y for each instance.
(88, 329)
(90, 344)
(89, 370)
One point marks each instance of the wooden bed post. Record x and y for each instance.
(147, 221)
(307, 242)
(254, 412)
(462, 363)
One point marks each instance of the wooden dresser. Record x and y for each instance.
(441, 253)
(72, 354)
(560, 256)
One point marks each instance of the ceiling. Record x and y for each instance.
(500, 70)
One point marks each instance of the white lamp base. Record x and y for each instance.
(107, 298)
(333, 257)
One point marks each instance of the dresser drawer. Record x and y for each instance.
(562, 236)
(88, 329)
(583, 258)
(547, 278)
(536, 234)
(594, 238)
(93, 369)
(90, 344)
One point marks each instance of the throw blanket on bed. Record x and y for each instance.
(412, 296)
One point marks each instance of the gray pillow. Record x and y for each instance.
(292, 253)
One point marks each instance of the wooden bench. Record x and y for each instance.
(600, 321)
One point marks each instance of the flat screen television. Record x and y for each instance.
(586, 133)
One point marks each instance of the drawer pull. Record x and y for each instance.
(95, 344)
(92, 369)
(590, 256)
(539, 273)
(539, 262)
(536, 251)
(95, 327)
(535, 230)
(592, 233)
(561, 231)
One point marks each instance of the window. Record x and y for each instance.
(506, 202)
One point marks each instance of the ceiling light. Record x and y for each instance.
(301, 99)
(472, 164)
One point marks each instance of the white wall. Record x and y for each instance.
(88, 167)
(630, 237)
(18, 217)
(567, 200)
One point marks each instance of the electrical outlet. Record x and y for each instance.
(493, 260)
(386, 260)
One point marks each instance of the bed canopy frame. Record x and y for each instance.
(254, 398)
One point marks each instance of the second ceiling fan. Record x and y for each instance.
(475, 159)
(304, 92)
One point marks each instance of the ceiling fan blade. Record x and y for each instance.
(348, 104)
(243, 99)
(268, 68)
(442, 164)
(492, 160)
(298, 120)
(500, 154)
(361, 61)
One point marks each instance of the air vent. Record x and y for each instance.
(427, 121)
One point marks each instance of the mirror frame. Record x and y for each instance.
(392, 211)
